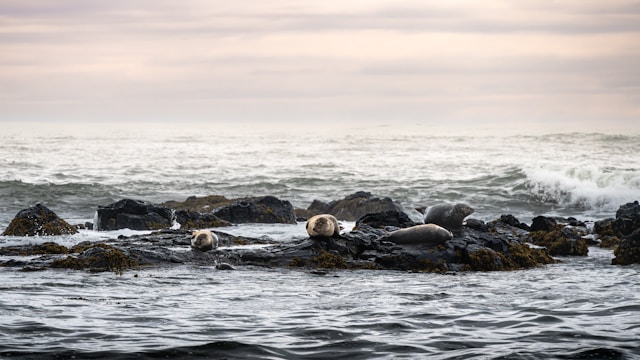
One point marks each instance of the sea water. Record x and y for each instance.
(581, 308)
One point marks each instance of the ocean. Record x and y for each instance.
(580, 308)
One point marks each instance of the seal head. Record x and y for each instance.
(323, 225)
(449, 216)
(204, 240)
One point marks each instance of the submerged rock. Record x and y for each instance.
(38, 221)
(134, 215)
(352, 207)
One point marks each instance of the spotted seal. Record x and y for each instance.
(323, 225)
(449, 216)
(204, 240)
(424, 234)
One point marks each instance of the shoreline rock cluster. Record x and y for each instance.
(499, 245)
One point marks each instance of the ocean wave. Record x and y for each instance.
(590, 188)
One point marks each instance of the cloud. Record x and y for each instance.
(459, 60)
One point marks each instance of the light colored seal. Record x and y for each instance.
(323, 225)
(449, 216)
(204, 240)
(426, 234)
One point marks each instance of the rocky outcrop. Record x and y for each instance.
(628, 250)
(559, 239)
(495, 248)
(267, 209)
(351, 208)
(38, 221)
(134, 215)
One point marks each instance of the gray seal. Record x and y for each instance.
(426, 234)
(204, 240)
(449, 216)
(323, 225)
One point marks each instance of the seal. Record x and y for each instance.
(323, 225)
(424, 234)
(449, 216)
(204, 240)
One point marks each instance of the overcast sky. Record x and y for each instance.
(426, 62)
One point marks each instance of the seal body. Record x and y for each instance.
(323, 225)
(204, 240)
(449, 216)
(426, 234)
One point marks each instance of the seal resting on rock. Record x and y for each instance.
(427, 234)
(323, 225)
(204, 240)
(449, 216)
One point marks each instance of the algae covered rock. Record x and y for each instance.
(134, 215)
(560, 240)
(97, 258)
(38, 221)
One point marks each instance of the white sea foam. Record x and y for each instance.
(591, 187)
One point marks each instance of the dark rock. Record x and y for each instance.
(543, 223)
(476, 224)
(352, 207)
(134, 215)
(267, 209)
(195, 220)
(512, 221)
(38, 221)
(381, 220)
(628, 251)
(627, 221)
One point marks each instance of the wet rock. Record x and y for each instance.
(38, 221)
(267, 209)
(627, 221)
(195, 220)
(628, 251)
(560, 240)
(134, 215)
(381, 220)
(352, 207)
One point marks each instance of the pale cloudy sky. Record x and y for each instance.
(571, 62)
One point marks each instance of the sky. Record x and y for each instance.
(574, 63)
